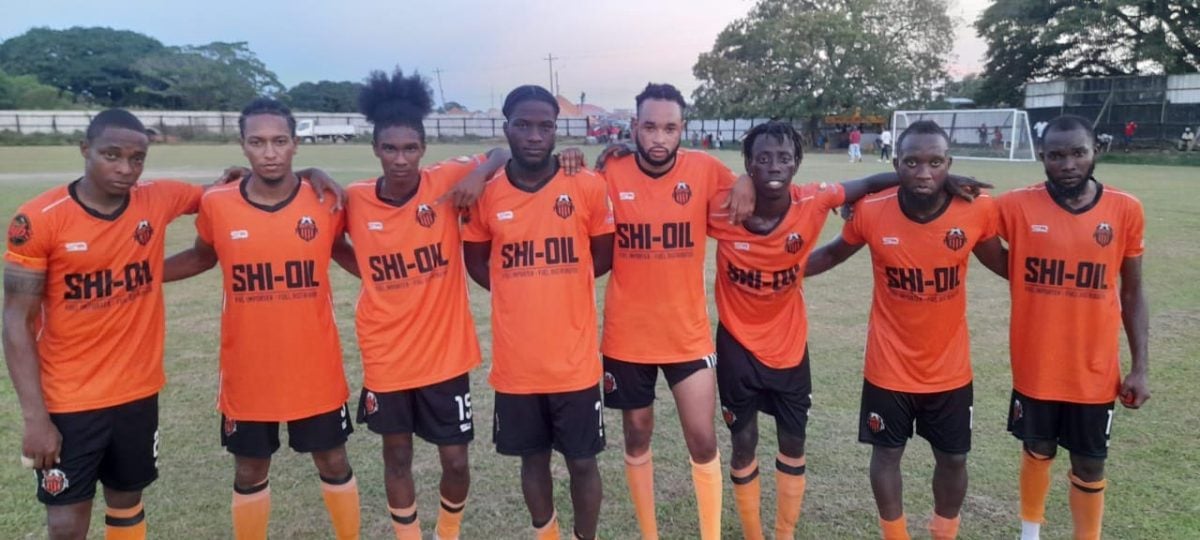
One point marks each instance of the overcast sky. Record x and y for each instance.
(608, 49)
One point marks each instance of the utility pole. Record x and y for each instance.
(557, 86)
(551, 58)
(441, 93)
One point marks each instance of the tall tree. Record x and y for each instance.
(807, 58)
(1031, 39)
(25, 92)
(180, 79)
(91, 64)
(324, 96)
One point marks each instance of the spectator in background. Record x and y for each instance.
(1104, 140)
(1186, 140)
(855, 145)
(1130, 130)
(983, 134)
(885, 145)
(998, 138)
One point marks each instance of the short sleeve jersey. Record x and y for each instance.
(759, 290)
(281, 358)
(542, 279)
(1063, 276)
(655, 309)
(100, 334)
(917, 339)
(413, 316)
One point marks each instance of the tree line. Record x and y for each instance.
(785, 58)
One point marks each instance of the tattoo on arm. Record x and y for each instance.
(21, 281)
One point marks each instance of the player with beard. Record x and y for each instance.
(655, 310)
(1068, 238)
(918, 367)
(281, 359)
(537, 239)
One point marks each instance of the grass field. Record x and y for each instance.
(1153, 491)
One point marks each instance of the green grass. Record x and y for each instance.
(1153, 491)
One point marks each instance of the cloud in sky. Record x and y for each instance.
(484, 48)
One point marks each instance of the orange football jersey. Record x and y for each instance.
(100, 336)
(655, 310)
(759, 290)
(413, 317)
(1064, 267)
(542, 280)
(917, 339)
(280, 354)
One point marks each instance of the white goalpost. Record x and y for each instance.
(991, 134)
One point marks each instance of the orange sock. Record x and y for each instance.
(1087, 507)
(405, 522)
(789, 494)
(706, 479)
(639, 474)
(251, 512)
(549, 531)
(449, 520)
(747, 491)
(1035, 485)
(942, 528)
(341, 500)
(125, 523)
(896, 529)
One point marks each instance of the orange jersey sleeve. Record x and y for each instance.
(543, 290)
(1064, 270)
(413, 316)
(655, 310)
(281, 358)
(100, 337)
(759, 284)
(918, 337)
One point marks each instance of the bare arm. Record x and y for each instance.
(1135, 389)
(468, 190)
(475, 255)
(857, 189)
(602, 253)
(993, 255)
(189, 262)
(343, 254)
(829, 256)
(23, 290)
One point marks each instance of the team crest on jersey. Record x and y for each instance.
(143, 232)
(1017, 410)
(563, 206)
(1103, 234)
(955, 239)
(371, 403)
(425, 215)
(728, 415)
(306, 229)
(19, 231)
(230, 426)
(794, 242)
(54, 481)
(682, 193)
(610, 383)
(875, 423)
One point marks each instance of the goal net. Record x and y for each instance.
(996, 134)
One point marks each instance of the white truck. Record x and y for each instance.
(309, 132)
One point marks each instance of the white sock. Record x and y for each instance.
(1031, 530)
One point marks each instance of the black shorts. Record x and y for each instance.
(570, 422)
(628, 385)
(1081, 428)
(944, 419)
(324, 431)
(116, 445)
(747, 386)
(440, 413)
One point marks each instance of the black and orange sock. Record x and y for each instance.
(405, 522)
(1087, 506)
(790, 482)
(341, 500)
(251, 511)
(747, 493)
(125, 523)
